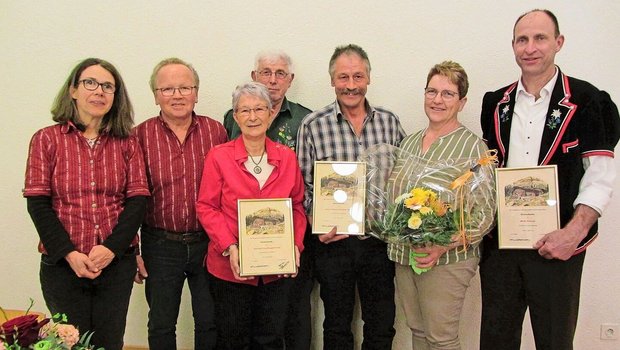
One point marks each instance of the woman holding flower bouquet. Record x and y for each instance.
(432, 275)
(86, 192)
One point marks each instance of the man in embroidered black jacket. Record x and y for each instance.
(546, 118)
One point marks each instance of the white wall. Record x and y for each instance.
(41, 41)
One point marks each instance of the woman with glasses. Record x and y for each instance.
(86, 193)
(250, 312)
(433, 300)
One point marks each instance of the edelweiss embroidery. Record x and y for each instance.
(504, 116)
(554, 119)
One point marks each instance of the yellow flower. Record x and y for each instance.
(413, 203)
(414, 221)
(426, 210)
(439, 207)
(420, 194)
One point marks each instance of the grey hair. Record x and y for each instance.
(272, 56)
(251, 89)
(168, 61)
(348, 50)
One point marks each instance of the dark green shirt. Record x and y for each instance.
(284, 127)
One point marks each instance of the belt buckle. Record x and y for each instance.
(188, 237)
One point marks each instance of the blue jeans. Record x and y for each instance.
(98, 305)
(168, 263)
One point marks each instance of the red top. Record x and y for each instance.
(226, 179)
(174, 170)
(88, 186)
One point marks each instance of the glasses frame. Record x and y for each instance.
(279, 74)
(446, 95)
(174, 90)
(105, 87)
(246, 112)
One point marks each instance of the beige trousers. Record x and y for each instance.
(433, 302)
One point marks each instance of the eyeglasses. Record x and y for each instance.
(183, 90)
(446, 95)
(259, 111)
(92, 85)
(266, 73)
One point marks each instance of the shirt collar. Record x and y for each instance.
(241, 154)
(164, 123)
(370, 110)
(544, 92)
(69, 126)
(285, 105)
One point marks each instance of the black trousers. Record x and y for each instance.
(250, 317)
(298, 334)
(513, 280)
(340, 267)
(98, 305)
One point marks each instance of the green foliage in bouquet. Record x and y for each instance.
(418, 218)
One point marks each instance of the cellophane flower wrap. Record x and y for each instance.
(416, 202)
(30, 332)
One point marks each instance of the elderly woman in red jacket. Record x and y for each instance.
(250, 311)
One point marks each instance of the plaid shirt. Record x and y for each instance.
(326, 135)
(88, 186)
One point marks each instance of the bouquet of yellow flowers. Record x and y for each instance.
(28, 332)
(418, 217)
(419, 202)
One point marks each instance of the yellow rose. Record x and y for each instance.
(414, 221)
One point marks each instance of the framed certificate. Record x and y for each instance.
(528, 205)
(266, 239)
(339, 197)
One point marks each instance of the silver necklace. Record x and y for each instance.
(257, 169)
(91, 141)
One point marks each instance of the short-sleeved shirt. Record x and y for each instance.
(87, 186)
(284, 127)
(174, 170)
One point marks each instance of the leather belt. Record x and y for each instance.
(185, 237)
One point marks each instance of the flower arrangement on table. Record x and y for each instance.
(415, 202)
(28, 332)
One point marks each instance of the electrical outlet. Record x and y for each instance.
(610, 331)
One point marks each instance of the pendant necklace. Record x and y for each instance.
(91, 141)
(257, 169)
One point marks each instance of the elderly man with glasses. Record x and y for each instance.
(274, 69)
(174, 243)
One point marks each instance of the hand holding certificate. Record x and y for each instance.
(266, 240)
(528, 205)
(339, 197)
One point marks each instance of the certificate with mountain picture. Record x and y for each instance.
(266, 240)
(528, 205)
(339, 197)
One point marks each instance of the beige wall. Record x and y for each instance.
(41, 41)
